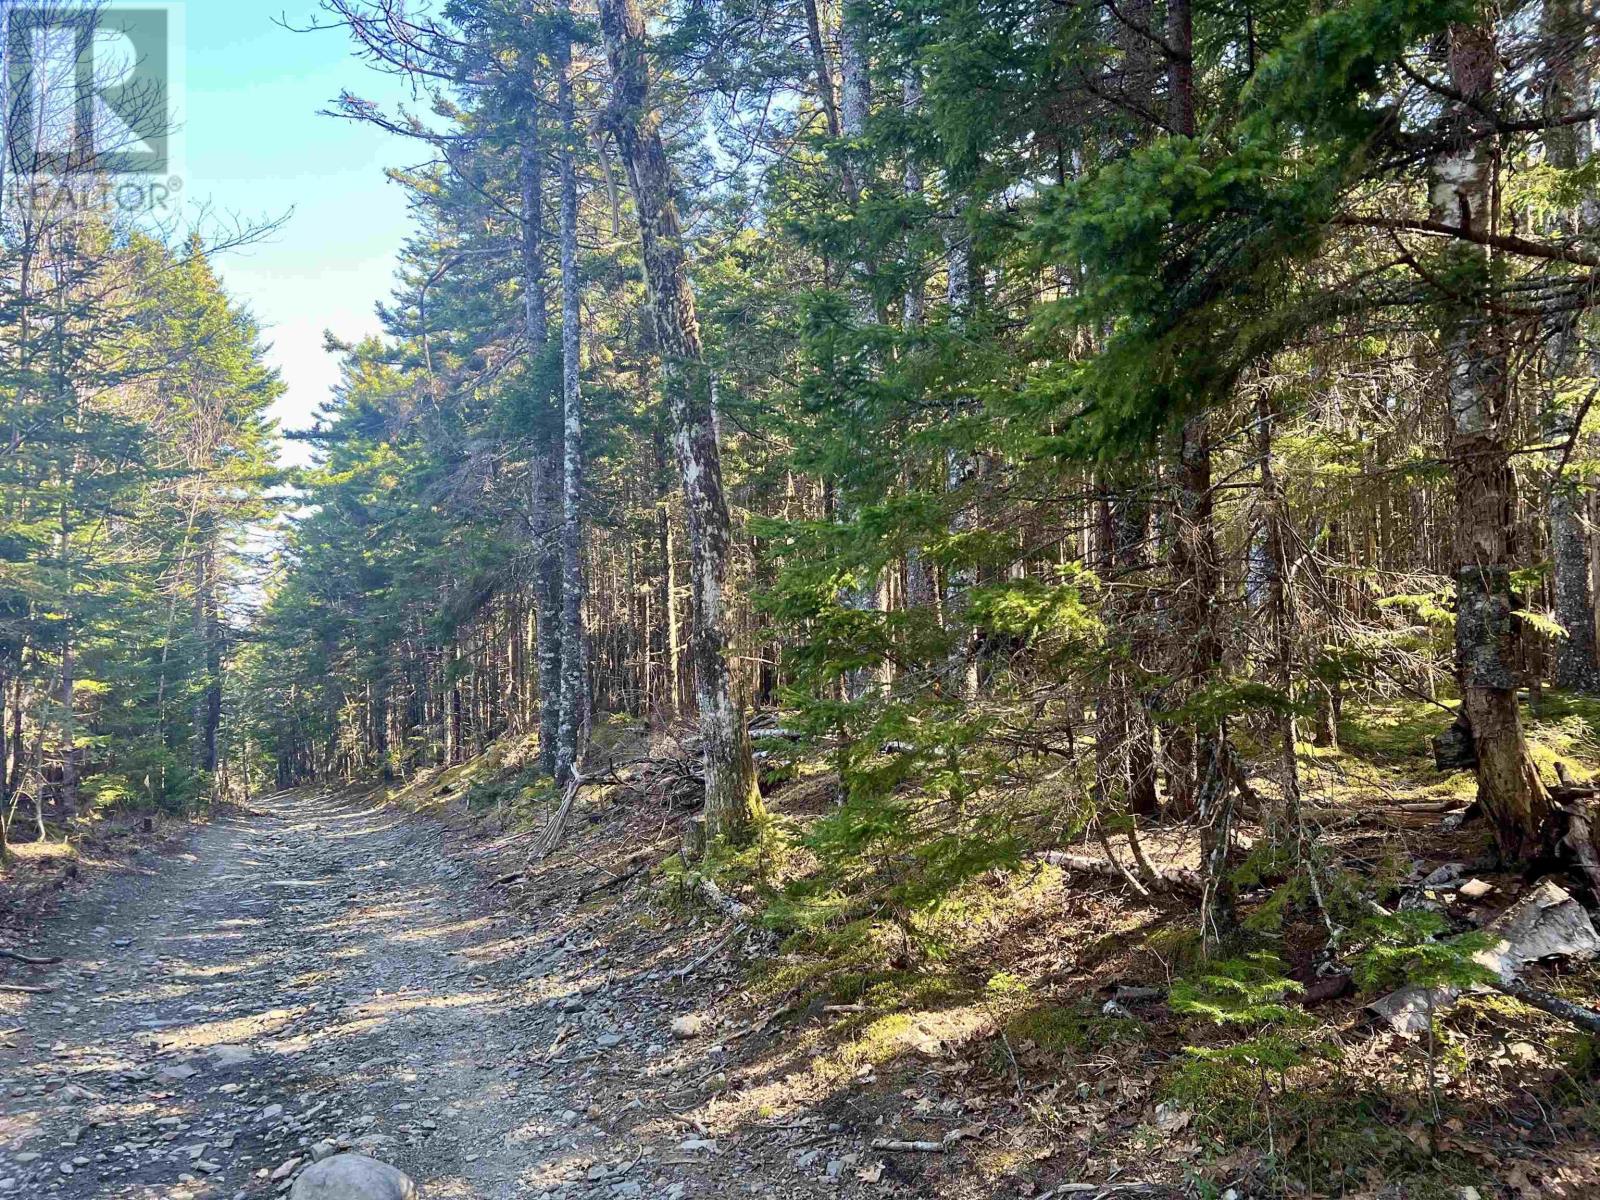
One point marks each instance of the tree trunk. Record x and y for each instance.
(1577, 665)
(1278, 600)
(1131, 522)
(455, 751)
(208, 696)
(1110, 734)
(1487, 629)
(819, 64)
(855, 96)
(855, 106)
(18, 742)
(733, 799)
(961, 470)
(671, 648)
(574, 656)
(5, 790)
(69, 733)
(920, 592)
(543, 492)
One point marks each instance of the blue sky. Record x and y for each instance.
(254, 145)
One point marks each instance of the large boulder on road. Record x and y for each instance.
(352, 1177)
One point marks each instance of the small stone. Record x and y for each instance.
(228, 1055)
(286, 1169)
(1475, 889)
(323, 1149)
(608, 1040)
(176, 1073)
(271, 1112)
(1444, 876)
(691, 1025)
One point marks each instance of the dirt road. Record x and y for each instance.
(321, 973)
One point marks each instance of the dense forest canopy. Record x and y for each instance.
(1058, 412)
(1132, 378)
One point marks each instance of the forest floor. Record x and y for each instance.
(323, 971)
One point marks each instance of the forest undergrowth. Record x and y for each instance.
(1113, 1042)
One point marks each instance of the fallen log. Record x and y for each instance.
(691, 967)
(1166, 878)
(908, 1146)
(1548, 1002)
(721, 901)
(33, 960)
(615, 881)
(1430, 807)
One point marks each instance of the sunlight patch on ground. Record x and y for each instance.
(234, 1030)
(357, 918)
(447, 930)
(235, 966)
(375, 1014)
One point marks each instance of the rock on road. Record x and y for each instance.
(313, 975)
